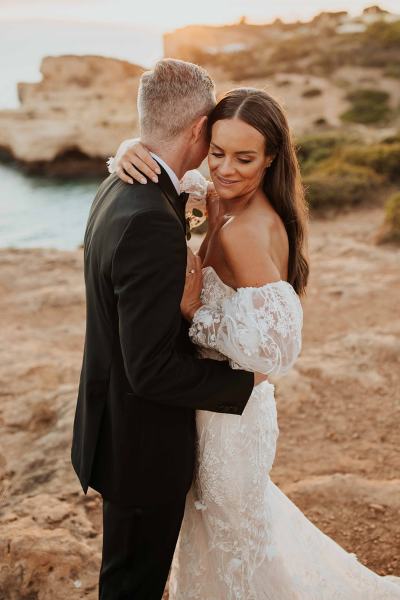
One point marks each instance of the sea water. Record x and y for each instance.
(43, 212)
(39, 211)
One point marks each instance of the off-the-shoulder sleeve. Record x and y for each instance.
(258, 329)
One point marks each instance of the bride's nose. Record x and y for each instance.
(226, 167)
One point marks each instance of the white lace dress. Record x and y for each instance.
(241, 537)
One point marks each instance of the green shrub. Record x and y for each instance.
(325, 63)
(283, 82)
(392, 139)
(243, 64)
(393, 70)
(313, 149)
(311, 93)
(384, 35)
(293, 49)
(320, 122)
(382, 158)
(390, 231)
(338, 185)
(367, 106)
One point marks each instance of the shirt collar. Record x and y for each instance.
(173, 177)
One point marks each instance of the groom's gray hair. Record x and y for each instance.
(172, 96)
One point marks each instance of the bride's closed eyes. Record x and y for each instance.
(241, 160)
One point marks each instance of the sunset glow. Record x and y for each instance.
(177, 13)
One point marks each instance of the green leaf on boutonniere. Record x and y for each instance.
(197, 212)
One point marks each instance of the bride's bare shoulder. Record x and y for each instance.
(240, 229)
(246, 247)
(250, 229)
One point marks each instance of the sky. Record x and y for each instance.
(126, 29)
(164, 15)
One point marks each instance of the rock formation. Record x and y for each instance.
(75, 117)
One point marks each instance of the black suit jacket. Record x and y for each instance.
(134, 428)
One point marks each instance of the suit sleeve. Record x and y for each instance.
(148, 275)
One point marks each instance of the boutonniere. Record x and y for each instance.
(196, 214)
(196, 207)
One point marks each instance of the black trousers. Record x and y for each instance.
(138, 546)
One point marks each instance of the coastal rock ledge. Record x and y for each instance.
(72, 119)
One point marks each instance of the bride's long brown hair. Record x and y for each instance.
(282, 182)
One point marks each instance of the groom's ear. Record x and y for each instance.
(199, 127)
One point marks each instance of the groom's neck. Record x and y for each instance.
(173, 153)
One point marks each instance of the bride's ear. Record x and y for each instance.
(269, 160)
(198, 128)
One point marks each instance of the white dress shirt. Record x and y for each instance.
(172, 175)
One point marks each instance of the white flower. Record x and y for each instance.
(111, 164)
(194, 184)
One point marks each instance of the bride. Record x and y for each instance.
(241, 537)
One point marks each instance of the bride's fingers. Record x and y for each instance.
(197, 282)
(135, 162)
(122, 175)
(211, 189)
(190, 265)
(148, 160)
(196, 274)
(194, 261)
(131, 172)
(198, 262)
(190, 254)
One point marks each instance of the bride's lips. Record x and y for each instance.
(224, 181)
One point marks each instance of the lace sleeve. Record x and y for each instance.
(258, 329)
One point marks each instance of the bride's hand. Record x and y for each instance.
(133, 161)
(191, 301)
(213, 206)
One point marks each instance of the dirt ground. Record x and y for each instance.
(339, 411)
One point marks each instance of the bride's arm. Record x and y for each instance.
(132, 161)
(259, 326)
(258, 329)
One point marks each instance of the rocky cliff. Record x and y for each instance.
(74, 117)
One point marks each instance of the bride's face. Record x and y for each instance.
(236, 158)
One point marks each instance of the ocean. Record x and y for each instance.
(39, 211)
(42, 212)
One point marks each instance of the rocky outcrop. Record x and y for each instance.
(74, 118)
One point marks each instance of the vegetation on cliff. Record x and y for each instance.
(318, 50)
(341, 171)
(390, 230)
(367, 106)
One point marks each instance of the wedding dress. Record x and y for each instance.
(241, 537)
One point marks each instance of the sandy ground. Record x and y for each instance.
(339, 411)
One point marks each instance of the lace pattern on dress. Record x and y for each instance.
(258, 329)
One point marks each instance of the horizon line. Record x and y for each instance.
(161, 31)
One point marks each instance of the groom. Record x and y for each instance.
(134, 429)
